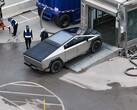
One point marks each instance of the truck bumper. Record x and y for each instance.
(36, 68)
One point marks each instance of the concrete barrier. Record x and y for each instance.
(18, 8)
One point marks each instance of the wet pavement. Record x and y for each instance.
(27, 96)
(73, 97)
(23, 88)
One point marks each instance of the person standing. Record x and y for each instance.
(43, 34)
(14, 24)
(28, 36)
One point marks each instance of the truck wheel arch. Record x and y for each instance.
(96, 45)
(57, 61)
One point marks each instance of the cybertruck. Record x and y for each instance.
(52, 53)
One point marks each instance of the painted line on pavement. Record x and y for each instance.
(34, 12)
(12, 103)
(9, 92)
(69, 81)
(27, 82)
(26, 20)
(37, 103)
(16, 4)
(25, 85)
(24, 17)
(29, 19)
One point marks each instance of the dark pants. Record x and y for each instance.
(28, 42)
(15, 30)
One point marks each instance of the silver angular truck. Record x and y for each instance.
(55, 51)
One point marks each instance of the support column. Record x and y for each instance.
(122, 26)
(84, 14)
(90, 18)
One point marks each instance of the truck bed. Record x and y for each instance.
(41, 51)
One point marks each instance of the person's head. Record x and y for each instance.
(43, 29)
(27, 26)
(9, 19)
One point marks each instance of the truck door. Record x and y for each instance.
(71, 50)
(83, 44)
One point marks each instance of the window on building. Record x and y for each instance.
(132, 25)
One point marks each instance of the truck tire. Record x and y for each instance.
(62, 21)
(56, 66)
(96, 45)
(56, 20)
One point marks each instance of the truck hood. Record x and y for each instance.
(41, 51)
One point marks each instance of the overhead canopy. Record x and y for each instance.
(111, 6)
(107, 6)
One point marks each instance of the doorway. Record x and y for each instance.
(105, 24)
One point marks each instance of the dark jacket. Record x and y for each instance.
(43, 35)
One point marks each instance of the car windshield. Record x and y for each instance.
(60, 37)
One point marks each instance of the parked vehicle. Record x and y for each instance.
(62, 12)
(61, 47)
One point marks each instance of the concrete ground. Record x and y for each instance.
(102, 87)
(32, 19)
(117, 66)
(11, 2)
(98, 88)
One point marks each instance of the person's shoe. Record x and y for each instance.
(14, 36)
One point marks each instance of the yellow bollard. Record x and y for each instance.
(44, 104)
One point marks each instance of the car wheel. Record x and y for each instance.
(56, 66)
(96, 45)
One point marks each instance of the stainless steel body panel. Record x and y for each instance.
(32, 61)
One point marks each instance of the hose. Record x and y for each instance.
(134, 57)
(41, 19)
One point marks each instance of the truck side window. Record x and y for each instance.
(79, 39)
(74, 42)
(69, 44)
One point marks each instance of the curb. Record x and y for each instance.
(18, 8)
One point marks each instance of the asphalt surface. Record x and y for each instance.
(22, 88)
(73, 97)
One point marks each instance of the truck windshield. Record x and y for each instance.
(60, 37)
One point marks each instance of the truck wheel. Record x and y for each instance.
(56, 20)
(96, 45)
(56, 66)
(62, 21)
